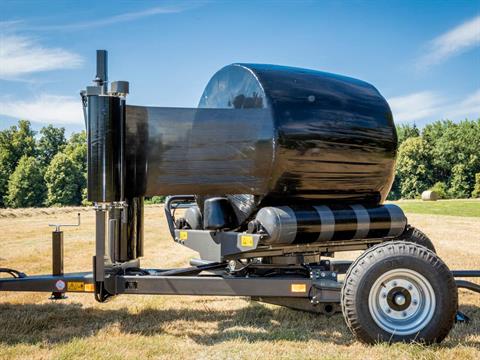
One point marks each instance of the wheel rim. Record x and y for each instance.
(402, 302)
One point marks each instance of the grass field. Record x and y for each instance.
(469, 208)
(163, 327)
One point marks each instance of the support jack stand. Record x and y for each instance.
(57, 259)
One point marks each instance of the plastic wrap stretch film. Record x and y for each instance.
(267, 135)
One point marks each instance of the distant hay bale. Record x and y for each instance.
(429, 195)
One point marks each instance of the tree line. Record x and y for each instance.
(444, 156)
(46, 169)
(43, 170)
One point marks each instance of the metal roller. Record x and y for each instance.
(309, 224)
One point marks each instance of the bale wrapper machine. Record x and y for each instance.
(277, 170)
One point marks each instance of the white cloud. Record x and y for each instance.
(125, 17)
(415, 106)
(50, 109)
(468, 107)
(430, 105)
(9, 25)
(453, 42)
(21, 55)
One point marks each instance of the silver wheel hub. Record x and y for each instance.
(399, 299)
(402, 302)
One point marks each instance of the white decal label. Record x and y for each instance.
(60, 285)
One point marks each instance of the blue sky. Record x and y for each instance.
(423, 56)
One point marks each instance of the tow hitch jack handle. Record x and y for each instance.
(57, 254)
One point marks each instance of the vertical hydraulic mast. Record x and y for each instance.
(117, 217)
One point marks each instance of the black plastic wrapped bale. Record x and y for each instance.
(267, 135)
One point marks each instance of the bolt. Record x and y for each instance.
(395, 283)
(404, 314)
(322, 274)
(410, 287)
(334, 274)
(384, 295)
(388, 311)
(399, 299)
(415, 302)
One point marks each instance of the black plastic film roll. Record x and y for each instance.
(309, 224)
(106, 121)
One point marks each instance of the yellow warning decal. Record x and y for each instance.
(246, 240)
(75, 286)
(89, 288)
(299, 288)
(183, 235)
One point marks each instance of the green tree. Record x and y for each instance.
(413, 167)
(395, 193)
(26, 187)
(15, 142)
(476, 189)
(76, 150)
(5, 173)
(452, 144)
(62, 180)
(155, 200)
(459, 187)
(406, 131)
(51, 142)
(85, 201)
(432, 135)
(441, 189)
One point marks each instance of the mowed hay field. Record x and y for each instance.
(187, 327)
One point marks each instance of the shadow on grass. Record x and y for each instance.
(60, 323)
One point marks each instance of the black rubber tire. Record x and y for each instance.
(412, 234)
(387, 256)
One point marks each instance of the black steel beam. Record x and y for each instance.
(173, 285)
(74, 282)
(466, 273)
(213, 285)
(468, 285)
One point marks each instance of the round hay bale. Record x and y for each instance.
(429, 195)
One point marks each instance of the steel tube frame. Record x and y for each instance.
(48, 283)
(203, 285)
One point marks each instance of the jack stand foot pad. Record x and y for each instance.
(461, 318)
(58, 296)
